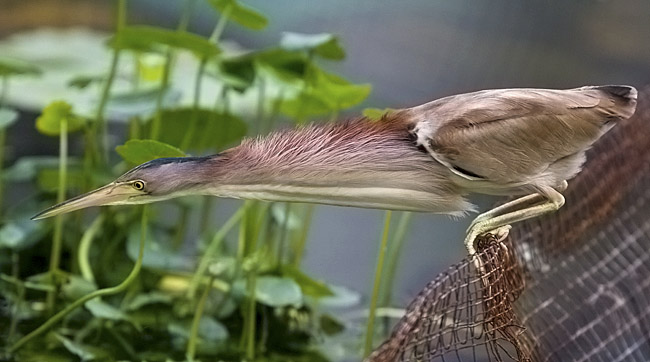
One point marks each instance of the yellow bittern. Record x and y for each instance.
(425, 158)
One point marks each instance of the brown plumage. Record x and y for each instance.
(425, 158)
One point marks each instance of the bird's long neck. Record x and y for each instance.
(357, 163)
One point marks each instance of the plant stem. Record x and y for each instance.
(221, 24)
(20, 295)
(4, 90)
(98, 293)
(250, 327)
(397, 241)
(169, 59)
(375, 290)
(100, 121)
(84, 249)
(181, 228)
(211, 250)
(196, 321)
(55, 255)
(299, 247)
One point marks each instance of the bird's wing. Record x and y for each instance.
(510, 135)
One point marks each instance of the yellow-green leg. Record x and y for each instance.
(512, 212)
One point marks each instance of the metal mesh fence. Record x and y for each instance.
(574, 285)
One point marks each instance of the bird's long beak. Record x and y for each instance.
(110, 194)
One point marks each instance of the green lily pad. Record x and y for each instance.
(375, 114)
(83, 81)
(53, 116)
(150, 38)
(236, 72)
(21, 234)
(8, 117)
(142, 300)
(26, 168)
(10, 66)
(273, 291)
(288, 66)
(205, 130)
(104, 310)
(157, 254)
(241, 14)
(141, 151)
(76, 287)
(209, 329)
(83, 351)
(308, 285)
(326, 46)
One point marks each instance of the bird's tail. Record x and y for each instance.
(624, 98)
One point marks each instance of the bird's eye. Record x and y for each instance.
(138, 185)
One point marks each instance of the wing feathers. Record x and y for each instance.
(514, 136)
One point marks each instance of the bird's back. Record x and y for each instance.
(500, 141)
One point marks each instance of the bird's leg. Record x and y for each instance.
(554, 200)
(517, 204)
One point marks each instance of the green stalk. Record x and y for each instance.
(375, 290)
(196, 320)
(84, 249)
(284, 231)
(394, 253)
(55, 255)
(4, 90)
(181, 228)
(169, 59)
(299, 247)
(100, 122)
(20, 295)
(98, 293)
(250, 327)
(211, 250)
(3, 137)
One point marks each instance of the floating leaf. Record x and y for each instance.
(209, 329)
(76, 287)
(106, 311)
(9, 66)
(148, 38)
(142, 300)
(141, 151)
(54, 114)
(324, 45)
(375, 114)
(240, 13)
(337, 91)
(305, 105)
(26, 168)
(83, 351)
(281, 217)
(157, 255)
(140, 102)
(330, 325)
(204, 131)
(273, 291)
(308, 285)
(21, 234)
(326, 93)
(287, 65)
(83, 81)
(48, 179)
(8, 117)
(342, 298)
(237, 72)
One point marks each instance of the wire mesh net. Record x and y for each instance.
(573, 285)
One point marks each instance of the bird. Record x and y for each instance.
(524, 142)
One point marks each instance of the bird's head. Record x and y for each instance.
(156, 180)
